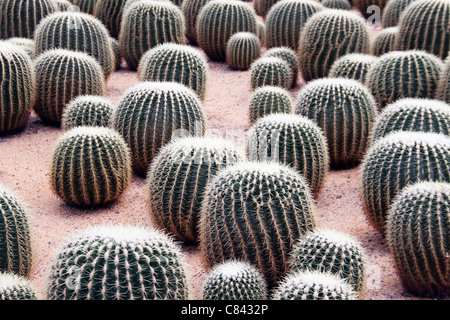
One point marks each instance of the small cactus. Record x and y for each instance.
(191, 9)
(261, 32)
(369, 7)
(242, 49)
(443, 90)
(13, 287)
(384, 41)
(288, 55)
(263, 6)
(270, 71)
(337, 4)
(267, 100)
(352, 66)
(391, 14)
(117, 56)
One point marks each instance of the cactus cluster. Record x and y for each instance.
(384, 41)
(352, 66)
(391, 14)
(110, 12)
(242, 49)
(443, 91)
(191, 9)
(288, 55)
(267, 100)
(270, 71)
(13, 287)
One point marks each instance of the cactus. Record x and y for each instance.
(345, 110)
(20, 18)
(15, 236)
(399, 159)
(267, 100)
(261, 32)
(403, 74)
(263, 6)
(234, 280)
(86, 6)
(270, 71)
(294, 141)
(13, 287)
(145, 24)
(87, 111)
(178, 177)
(331, 251)
(369, 7)
(79, 32)
(110, 12)
(17, 87)
(313, 285)
(90, 167)
(191, 9)
(417, 234)
(242, 49)
(23, 43)
(58, 83)
(443, 91)
(171, 62)
(418, 115)
(392, 11)
(384, 41)
(254, 212)
(122, 262)
(117, 56)
(63, 5)
(218, 21)
(150, 114)
(424, 26)
(337, 4)
(352, 66)
(288, 55)
(285, 21)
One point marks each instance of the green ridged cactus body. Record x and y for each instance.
(384, 41)
(91, 166)
(13, 287)
(286, 19)
(369, 7)
(79, 32)
(288, 55)
(178, 177)
(263, 6)
(110, 12)
(418, 229)
(267, 100)
(86, 6)
(117, 56)
(242, 49)
(145, 24)
(345, 110)
(170, 62)
(15, 236)
(337, 4)
(191, 9)
(270, 71)
(443, 91)
(122, 262)
(150, 114)
(17, 87)
(61, 76)
(399, 159)
(218, 20)
(234, 280)
(391, 14)
(261, 32)
(352, 66)
(20, 18)
(255, 212)
(292, 140)
(424, 26)
(63, 5)
(404, 74)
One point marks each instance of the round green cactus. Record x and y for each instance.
(20, 18)
(346, 111)
(15, 236)
(25, 44)
(218, 20)
(337, 4)
(270, 71)
(254, 212)
(87, 111)
(150, 114)
(79, 32)
(417, 234)
(122, 262)
(294, 141)
(403, 74)
(242, 49)
(58, 83)
(384, 41)
(170, 62)
(263, 6)
(443, 91)
(261, 32)
(286, 19)
(391, 14)
(267, 100)
(369, 7)
(17, 87)
(13, 287)
(86, 6)
(408, 114)
(352, 66)
(110, 12)
(117, 56)
(314, 285)
(424, 26)
(178, 177)
(191, 9)
(288, 55)
(145, 24)
(399, 159)
(234, 280)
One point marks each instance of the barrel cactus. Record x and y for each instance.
(13, 287)
(327, 36)
(58, 83)
(170, 62)
(346, 111)
(23, 43)
(242, 49)
(254, 212)
(17, 87)
(417, 234)
(137, 263)
(292, 140)
(399, 159)
(263, 6)
(337, 4)
(270, 71)
(86, 6)
(145, 24)
(384, 41)
(15, 236)
(267, 100)
(234, 280)
(261, 32)
(288, 55)
(391, 14)
(178, 177)
(218, 21)
(443, 91)
(352, 66)
(369, 7)
(110, 12)
(117, 56)
(191, 9)
(404, 74)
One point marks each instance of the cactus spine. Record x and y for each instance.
(352, 66)
(267, 100)
(384, 41)
(242, 49)
(13, 287)
(443, 91)
(270, 71)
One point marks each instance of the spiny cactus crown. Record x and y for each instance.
(13, 287)
(267, 100)
(384, 41)
(287, 54)
(270, 71)
(352, 66)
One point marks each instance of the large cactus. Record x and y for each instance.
(352, 66)
(110, 13)
(255, 212)
(288, 55)
(242, 49)
(391, 14)
(62, 75)
(122, 262)
(150, 114)
(418, 229)
(13, 287)
(384, 41)
(191, 9)
(345, 110)
(399, 159)
(443, 91)
(17, 87)
(270, 71)
(267, 100)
